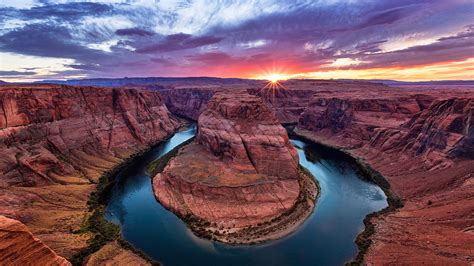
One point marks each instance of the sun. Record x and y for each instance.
(274, 82)
(274, 77)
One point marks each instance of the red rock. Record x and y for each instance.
(19, 247)
(428, 159)
(56, 141)
(70, 135)
(240, 171)
(240, 128)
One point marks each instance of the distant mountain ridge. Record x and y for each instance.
(433, 82)
(215, 81)
(163, 81)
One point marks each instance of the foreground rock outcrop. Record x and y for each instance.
(55, 143)
(114, 254)
(425, 152)
(239, 181)
(19, 247)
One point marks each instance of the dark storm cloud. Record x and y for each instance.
(179, 41)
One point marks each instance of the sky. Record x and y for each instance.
(328, 39)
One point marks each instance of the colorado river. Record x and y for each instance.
(326, 238)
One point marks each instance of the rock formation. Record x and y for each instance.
(19, 247)
(240, 172)
(114, 254)
(56, 141)
(242, 129)
(425, 151)
(187, 103)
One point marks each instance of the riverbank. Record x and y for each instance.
(104, 233)
(280, 226)
(363, 240)
(277, 228)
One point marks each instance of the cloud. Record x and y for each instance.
(133, 31)
(179, 41)
(117, 38)
(45, 40)
(16, 73)
(67, 11)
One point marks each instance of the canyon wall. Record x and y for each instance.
(190, 102)
(19, 247)
(240, 172)
(187, 103)
(55, 143)
(423, 146)
(419, 138)
(240, 128)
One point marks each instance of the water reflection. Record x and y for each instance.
(326, 238)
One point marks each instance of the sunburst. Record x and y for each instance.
(273, 86)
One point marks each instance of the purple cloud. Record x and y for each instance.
(133, 31)
(179, 41)
(136, 40)
(16, 73)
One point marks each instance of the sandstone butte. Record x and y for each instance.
(239, 181)
(55, 143)
(419, 138)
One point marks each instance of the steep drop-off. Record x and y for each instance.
(19, 247)
(55, 143)
(239, 182)
(426, 154)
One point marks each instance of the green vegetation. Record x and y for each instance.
(101, 230)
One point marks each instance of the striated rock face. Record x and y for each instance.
(287, 104)
(70, 135)
(56, 141)
(187, 103)
(240, 128)
(240, 171)
(356, 121)
(19, 247)
(446, 127)
(426, 153)
(114, 254)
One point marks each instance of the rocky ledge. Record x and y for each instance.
(239, 181)
(426, 153)
(19, 247)
(55, 144)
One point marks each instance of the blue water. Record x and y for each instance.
(326, 238)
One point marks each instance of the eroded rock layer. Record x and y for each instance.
(241, 128)
(426, 154)
(56, 141)
(19, 247)
(241, 170)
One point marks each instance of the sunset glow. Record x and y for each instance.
(269, 40)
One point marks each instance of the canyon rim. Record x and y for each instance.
(229, 133)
